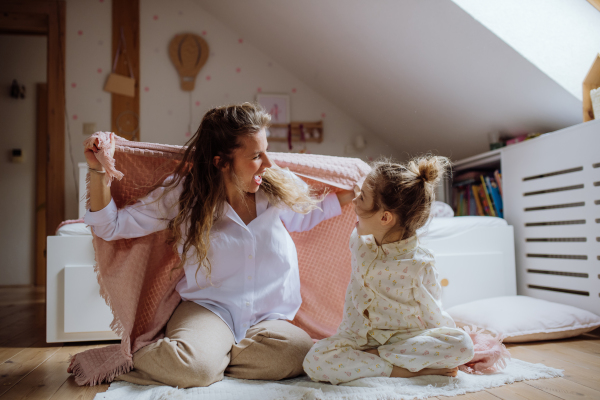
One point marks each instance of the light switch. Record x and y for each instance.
(17, 156)
(89, 128)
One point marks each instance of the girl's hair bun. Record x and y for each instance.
(430, 169)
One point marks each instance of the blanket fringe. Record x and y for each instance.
(81, 378)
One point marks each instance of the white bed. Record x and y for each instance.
(475, 259)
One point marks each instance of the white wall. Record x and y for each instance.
(164, 107)
(27, 55)
(88, 58)
(560, 37)
(423, 75)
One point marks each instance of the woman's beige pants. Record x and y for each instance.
(199, 349)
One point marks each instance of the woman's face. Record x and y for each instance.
(250, 161)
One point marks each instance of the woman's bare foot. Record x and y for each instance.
(398, 372)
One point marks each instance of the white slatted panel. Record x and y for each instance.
(552, 198)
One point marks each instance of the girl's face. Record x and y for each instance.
(376, 223)
(363, 202)
(250, 161)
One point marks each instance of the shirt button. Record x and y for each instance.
(245, 325)
(247, 304)
(250, 256)
(368, 299)
(249, 278)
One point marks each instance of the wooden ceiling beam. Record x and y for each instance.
(125, 111)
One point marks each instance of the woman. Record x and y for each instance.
(225, 206)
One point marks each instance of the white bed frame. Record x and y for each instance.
(75, 311)
(475, 264)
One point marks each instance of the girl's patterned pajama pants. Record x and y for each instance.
(339, 358)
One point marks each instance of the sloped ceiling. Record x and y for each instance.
(560, 37)
(423, 75)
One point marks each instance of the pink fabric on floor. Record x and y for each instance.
(490, 354)
(135, 274)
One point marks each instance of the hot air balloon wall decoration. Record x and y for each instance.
(189, 53)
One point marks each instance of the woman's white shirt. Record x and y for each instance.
(254, 267)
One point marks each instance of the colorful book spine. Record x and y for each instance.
(497, 200)
(488, 198)
(498, 177)
(475, 190)
(472, 204)
(484, 203)
(468, 201)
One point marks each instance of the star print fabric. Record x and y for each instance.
(393, 305)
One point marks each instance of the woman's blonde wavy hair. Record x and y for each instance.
(202, 200)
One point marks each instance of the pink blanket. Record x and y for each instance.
(135, 274)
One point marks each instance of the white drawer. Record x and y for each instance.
(473, 276)
(85, 310)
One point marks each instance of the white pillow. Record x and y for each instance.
(441, 210)
(525, 319)
(76, 229)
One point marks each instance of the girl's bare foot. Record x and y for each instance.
(398, 372)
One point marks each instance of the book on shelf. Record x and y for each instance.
(496, 197)
(498, 178)
(475, 191)
(478, 193)
(487, 196)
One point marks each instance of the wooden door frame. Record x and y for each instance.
(46, 18)
(126, 17)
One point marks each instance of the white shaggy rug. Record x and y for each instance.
(360, 389)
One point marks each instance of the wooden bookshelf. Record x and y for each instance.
(487, 160)
(313, 132)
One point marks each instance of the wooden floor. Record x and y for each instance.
(32, 369)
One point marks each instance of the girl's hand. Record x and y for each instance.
(90, 155)
(345, 197)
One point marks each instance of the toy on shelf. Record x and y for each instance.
(297, 132)
(591, 81)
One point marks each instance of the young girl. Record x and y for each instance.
(393, 322)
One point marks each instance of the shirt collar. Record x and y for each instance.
(389, 250)
(262, 203)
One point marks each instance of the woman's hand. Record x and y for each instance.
(345, 197)
(90, 155)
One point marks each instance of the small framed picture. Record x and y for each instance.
(278, 105)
